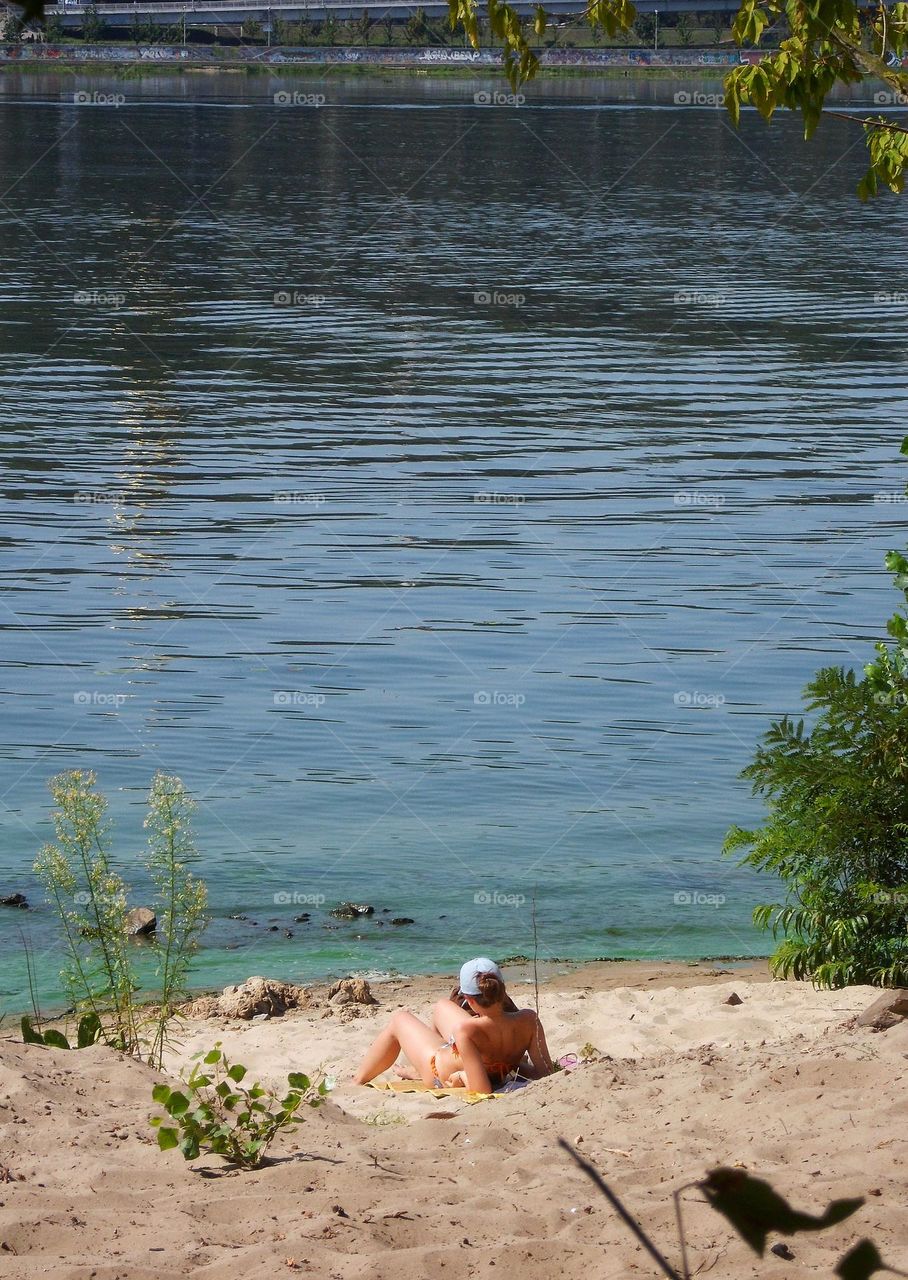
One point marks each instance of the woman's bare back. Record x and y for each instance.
(500, 1042)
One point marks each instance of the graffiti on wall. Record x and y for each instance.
(447, 57)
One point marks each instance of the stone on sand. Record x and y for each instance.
(258, 996)
(887, 1011)
(351, 991)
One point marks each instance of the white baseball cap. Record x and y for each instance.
(471, 971)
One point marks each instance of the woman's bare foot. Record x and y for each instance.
(405, 1072)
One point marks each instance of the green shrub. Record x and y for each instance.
(837, 830)
(219, 1114)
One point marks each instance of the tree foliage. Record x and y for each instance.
(837, 830)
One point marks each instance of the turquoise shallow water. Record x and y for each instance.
(449, 495)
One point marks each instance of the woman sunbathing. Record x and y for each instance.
(483, 1043)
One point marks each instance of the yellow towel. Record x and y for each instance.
(417, 1086)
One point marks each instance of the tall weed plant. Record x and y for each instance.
(91, 899)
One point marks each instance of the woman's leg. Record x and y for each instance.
(448, 1018)
(404, 1032)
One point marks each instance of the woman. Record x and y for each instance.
(482, 1043)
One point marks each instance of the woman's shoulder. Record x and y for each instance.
(528, 1017)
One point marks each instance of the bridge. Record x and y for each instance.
(212, 13)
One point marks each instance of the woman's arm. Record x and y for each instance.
(477, 1077)
(539, 1051)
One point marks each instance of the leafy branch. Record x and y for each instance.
(220, 1114)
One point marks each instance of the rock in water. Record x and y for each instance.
(261, 996)
(885, 1012)
(351, 991)
(14, 900)
(140, 922)
(351, 910)
(399, 920)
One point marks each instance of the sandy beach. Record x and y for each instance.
(381, 1185)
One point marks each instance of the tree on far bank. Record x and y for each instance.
(92, 24)
(685, 29)
(361, 28)
(417, 29)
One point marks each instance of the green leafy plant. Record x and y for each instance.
(101, 974)
(88, 1032)
(220, 1114)
(837, 830)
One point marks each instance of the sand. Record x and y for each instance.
(379, 1185)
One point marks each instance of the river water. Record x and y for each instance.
(449, 494)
